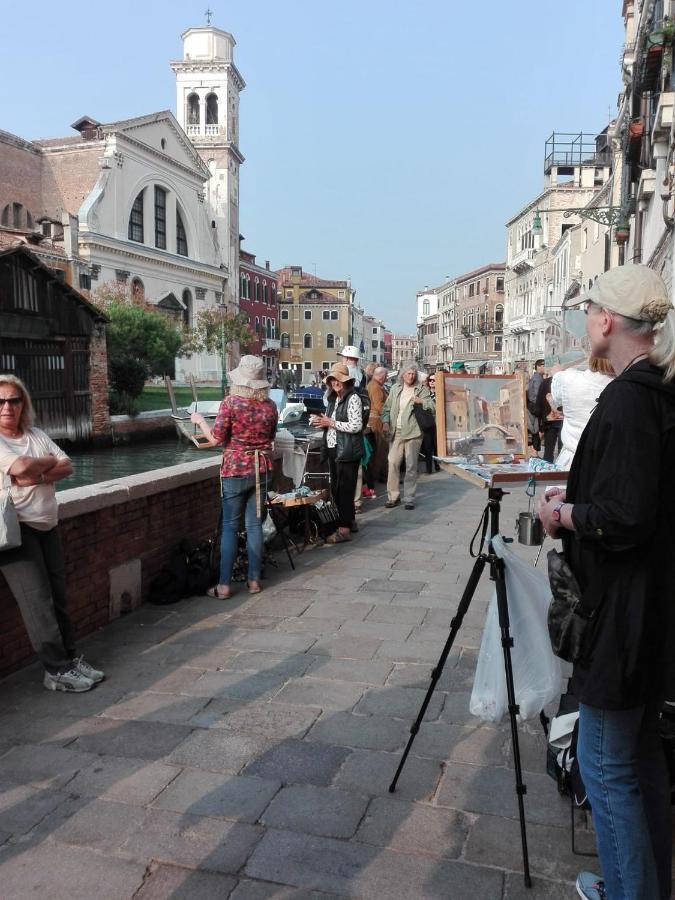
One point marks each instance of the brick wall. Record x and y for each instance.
(69, 175)
(20, 174)
(98, 380)
(143, 517)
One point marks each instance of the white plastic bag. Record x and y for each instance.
(537, 673)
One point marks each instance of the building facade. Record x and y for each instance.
(388, 339)
(258, 300)
(315, 321)
(403, 349)
(476, 299)
(576, 168)
(373, 340)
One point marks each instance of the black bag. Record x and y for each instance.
(424, 417)
(568, 619)
(189, 572)
(365, 405)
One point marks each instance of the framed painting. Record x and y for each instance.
(482, 415)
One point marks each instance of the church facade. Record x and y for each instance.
(154, 200)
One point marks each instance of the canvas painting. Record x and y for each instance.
(481, 415)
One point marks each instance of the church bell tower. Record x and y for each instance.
(207, 107)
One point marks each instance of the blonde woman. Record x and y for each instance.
(36, 571)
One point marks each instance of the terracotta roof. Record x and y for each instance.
(61, 142)
(308, 280)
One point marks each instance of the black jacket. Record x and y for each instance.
(622, 485)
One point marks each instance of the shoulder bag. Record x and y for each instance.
(569, 619)
(424, 417)
(10, 531)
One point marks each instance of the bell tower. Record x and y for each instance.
(207, 108)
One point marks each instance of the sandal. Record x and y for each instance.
(254, 590)
(215, 594)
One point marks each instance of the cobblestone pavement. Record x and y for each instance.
(243, 749)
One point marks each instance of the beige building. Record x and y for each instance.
(403, 347)
(476, 302)
(314, 322)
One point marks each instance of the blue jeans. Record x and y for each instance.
(237, 494)
(623, 766)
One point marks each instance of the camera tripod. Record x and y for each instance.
(490, 516)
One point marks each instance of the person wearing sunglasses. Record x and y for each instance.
(30, 462)
(429, 434)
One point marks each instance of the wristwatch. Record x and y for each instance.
(555, 515)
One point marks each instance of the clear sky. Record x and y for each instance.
(386, 142)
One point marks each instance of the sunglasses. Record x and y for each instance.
(13, 401)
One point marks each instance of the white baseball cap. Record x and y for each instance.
(633, 291)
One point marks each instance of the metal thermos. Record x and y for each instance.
(530, 529)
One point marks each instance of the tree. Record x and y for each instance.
(140, 342)
(216, 331)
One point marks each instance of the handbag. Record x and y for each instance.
(424, 417)
(569, 619)
(10, 531)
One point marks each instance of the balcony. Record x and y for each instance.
(522, 262)
(271, 343)
(519, 325)
(663, 118)
(208, 130)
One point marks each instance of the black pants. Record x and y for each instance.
(343, 477)
(551, 440)
(36, 575)
(429, 448)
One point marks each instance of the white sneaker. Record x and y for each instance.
(72, 680)
(88, 671)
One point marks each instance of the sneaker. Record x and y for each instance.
(365, 492)
(72, 680)
(590, 886)
(88, 671)
(409, 506)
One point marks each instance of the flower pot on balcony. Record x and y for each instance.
(656, 38)
(636, 128)
(621, 233)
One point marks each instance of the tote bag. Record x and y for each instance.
(10, 532)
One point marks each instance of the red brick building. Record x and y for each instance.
(258, 299)
(388, 348)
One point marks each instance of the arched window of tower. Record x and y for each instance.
(193, 109)
(211, 109)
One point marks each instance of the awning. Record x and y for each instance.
(457, 365)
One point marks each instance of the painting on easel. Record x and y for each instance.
(481, 415)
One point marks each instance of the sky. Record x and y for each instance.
(385, 142)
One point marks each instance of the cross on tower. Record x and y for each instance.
(208, 14)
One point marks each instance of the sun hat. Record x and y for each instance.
(350, 352)
(633, 291)
(249, 373)
(340, 372)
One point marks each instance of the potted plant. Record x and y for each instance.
(636, 128)
(621, 232)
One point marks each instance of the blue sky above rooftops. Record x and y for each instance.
(385, 142)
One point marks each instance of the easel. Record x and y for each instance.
(490, 517)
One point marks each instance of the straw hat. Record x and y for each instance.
(339, 372)
(249, 373)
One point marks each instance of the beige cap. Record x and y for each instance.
(636, 292)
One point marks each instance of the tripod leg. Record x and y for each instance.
(497, 574)
(455, 625)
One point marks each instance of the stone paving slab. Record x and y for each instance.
(244, 749)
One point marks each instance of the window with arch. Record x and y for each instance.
(285, 341)
(137, 290)
(242, 286)
(181, 236)
(188, 308)
(211, 109)
(268, 329)
(257, 325)
(160, 217)
(499, 314)
(308, 341)
(330, 342)
(136, 220)
(17, 216)
(193, 109)
(4, 219)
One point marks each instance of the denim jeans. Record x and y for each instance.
(238, 494)
(623, 766)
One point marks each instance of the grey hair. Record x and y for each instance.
(406, 366)
(379, 369)
(662, 334)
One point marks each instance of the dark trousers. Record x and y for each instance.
(343, 477)
(429, 448)
(36, 575)
(551, 440)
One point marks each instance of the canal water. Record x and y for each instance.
(92, 466)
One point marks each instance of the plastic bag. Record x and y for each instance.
(537, 673)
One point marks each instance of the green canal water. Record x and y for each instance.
(93, 466)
